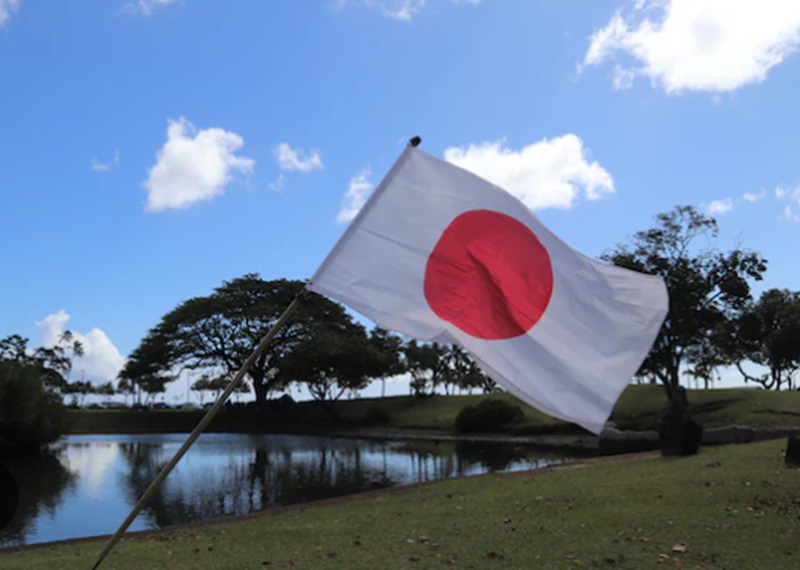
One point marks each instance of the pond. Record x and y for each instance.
(88, 484)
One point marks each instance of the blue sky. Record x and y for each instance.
(150, 150)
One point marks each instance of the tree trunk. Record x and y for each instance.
(793, 451)
(260, 389)
(678, 433)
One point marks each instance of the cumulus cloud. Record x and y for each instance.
(147, 7)
(193, 166)
(101, 361)
(7, 7)
(552, 173)
(98, 166)
(697, 45)
(358, 191)
(290, 159)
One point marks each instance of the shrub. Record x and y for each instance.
(488, 415)
(31, 415)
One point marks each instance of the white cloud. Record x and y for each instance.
(783, 193)
(98, 166)
(623, 78)
(402, 10)
(193, 166)
(278, 184)
(356, 196)
(789, 215)
(101, 361)
(147, 7)
(753, 198)
(719, 207)
(552, 173)
(290, 159)
(699, 45)
(6, 8)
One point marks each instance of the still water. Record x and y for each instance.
(88, 484)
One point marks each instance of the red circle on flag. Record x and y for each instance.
(489, 275)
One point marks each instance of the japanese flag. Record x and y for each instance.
(440, 254)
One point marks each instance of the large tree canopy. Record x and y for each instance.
(217, 333)
(707, 288)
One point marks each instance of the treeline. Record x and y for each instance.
(322, 348)
(713, 322)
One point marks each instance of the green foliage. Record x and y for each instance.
(31, 412)
(320, 345)
(768, 334)
(488, 415)
(336, 356)
(707, 288)
(423, 363)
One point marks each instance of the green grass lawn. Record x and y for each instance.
(735, 507)
(637, 408)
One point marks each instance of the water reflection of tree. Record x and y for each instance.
(43, 481)
(495, 456)
(282, 470)
(275, 475)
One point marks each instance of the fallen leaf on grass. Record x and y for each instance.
(681, 548)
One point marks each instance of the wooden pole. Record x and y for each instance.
(237, 379)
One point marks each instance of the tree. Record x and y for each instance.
(32, 413)
(424, 364)
(79, 389)
(387, 348)
(53, 363)
(768, 334)
(462, 372)
(72, 349)
(106, 389)
(220, 331)
(336, 356)
(707, 289)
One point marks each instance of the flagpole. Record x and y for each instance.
(237, 379)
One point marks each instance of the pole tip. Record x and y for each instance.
(415, 141)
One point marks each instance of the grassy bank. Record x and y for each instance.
(728, 507)
(638, 408)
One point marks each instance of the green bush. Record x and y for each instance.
(31, 415)
(488, 415)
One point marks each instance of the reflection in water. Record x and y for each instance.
(42, 481)
(91, 483)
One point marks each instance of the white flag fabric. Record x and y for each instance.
(442, 255)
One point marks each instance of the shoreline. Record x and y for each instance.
(577, 463)
(611, 441)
